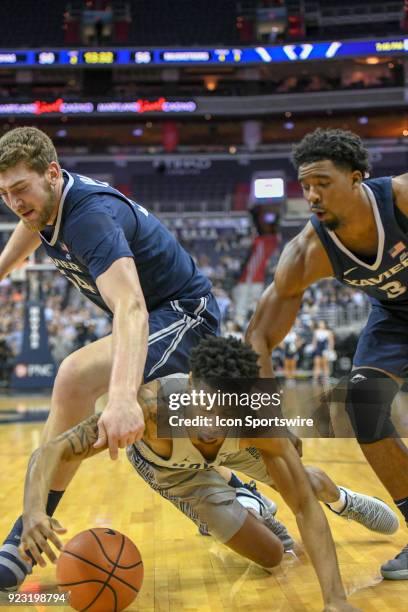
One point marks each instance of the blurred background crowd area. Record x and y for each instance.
(203, 136)
(72, 321)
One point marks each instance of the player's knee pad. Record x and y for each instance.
(369, 396)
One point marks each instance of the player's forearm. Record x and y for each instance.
(272, 320)
(291, 480)
(43, 465)
(319, 545)
(73, 445)
(259, 342)
(20, 245)
(130, 336)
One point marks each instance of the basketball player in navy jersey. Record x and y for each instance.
(358, 233)
(125, 261)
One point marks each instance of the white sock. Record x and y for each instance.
(340, 504)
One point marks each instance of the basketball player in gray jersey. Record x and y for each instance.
(185, 470)
(358, 233)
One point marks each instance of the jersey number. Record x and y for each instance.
(79, 282)
(393, 289)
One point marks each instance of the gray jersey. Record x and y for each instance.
(184, 454)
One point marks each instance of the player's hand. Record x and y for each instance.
(38, 529)
(121, 424)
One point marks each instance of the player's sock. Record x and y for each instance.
(54, 498)
(402, 505)
(340, 504)
(13, 569)
(235, 481)
(15, 533)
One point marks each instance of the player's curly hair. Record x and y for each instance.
(29, 145)
(342, 147)
(218, 360)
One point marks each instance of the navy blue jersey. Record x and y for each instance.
(96, 225)
(385, 280)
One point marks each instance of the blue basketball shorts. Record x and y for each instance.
(175, 328)
(383, 343)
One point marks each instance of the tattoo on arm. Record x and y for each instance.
(151, 411)
(75, 444)
(81, 438)
(149, 402)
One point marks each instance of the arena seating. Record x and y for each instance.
(28, 22)
(183, 22)
(177, 193)
(330, 18)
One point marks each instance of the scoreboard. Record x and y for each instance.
(95, 57)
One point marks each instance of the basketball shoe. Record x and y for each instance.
(371, 512)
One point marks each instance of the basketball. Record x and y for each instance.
(102, 569)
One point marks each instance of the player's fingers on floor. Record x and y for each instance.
(43, 544)
(52, 536)
(32, 546)
(57, 527)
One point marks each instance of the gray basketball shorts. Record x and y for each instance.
(202, 494)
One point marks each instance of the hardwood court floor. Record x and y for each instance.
(187, 572)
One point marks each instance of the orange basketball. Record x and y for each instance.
(102, 569)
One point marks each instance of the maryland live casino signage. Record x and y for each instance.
(61, 107)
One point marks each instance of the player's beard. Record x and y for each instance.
(332, 224)
(45, 213)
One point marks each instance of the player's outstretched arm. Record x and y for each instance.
(73, 445)
(20, 245)
(302, 263)
(290, 479)
(122, 421)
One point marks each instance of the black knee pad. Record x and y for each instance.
(369, 396)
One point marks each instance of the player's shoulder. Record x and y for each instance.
(80, 189)
(304, 260)
(400, 192)
(86, 206)
(303, 245)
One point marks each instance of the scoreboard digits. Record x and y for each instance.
(99, 57)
